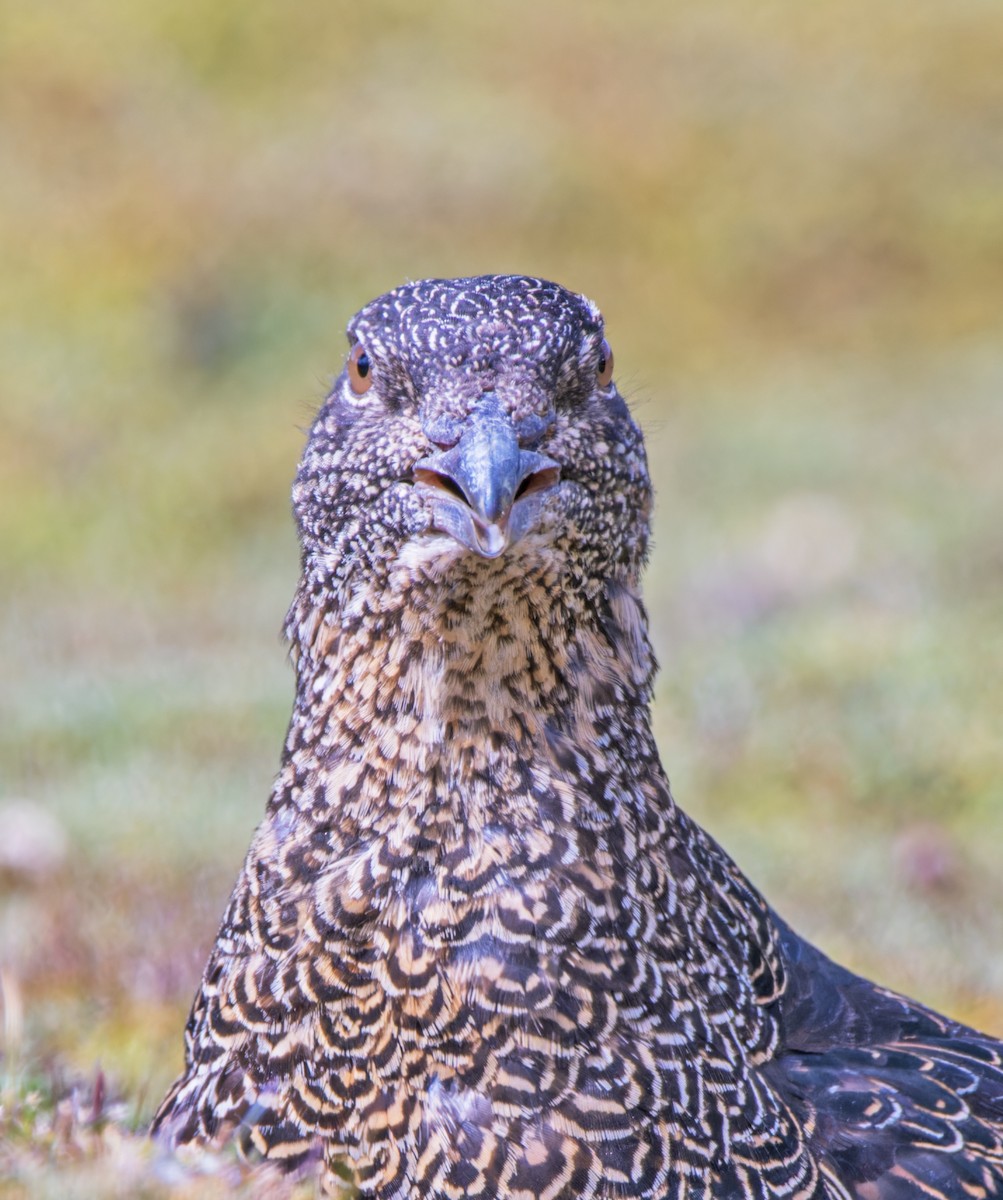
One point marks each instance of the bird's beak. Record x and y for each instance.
(480, 484)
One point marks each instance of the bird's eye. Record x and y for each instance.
(360, 370)
(604, 368)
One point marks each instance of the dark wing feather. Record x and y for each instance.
(901, 1101)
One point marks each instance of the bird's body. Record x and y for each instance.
(476, 950)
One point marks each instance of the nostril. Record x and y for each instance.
(538, 481)
(442, 482)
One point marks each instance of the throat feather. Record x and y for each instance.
(458, 695)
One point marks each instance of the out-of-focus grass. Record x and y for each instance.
(64, 1139)
(793, 219)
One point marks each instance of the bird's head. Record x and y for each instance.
(475, 433)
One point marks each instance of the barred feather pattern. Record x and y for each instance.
(476, 950)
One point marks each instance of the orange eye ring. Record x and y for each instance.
(360, 370)
(604, 368)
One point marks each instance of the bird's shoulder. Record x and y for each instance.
(899, 1098)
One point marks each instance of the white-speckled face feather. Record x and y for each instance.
(438, 352)
(475, 950)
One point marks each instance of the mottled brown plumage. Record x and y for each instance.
(476, 950)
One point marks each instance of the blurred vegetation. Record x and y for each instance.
(792, 215)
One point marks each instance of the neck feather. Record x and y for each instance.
(422, 682)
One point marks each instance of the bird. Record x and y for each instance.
(476, 949)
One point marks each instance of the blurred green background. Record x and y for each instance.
(792, 216)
